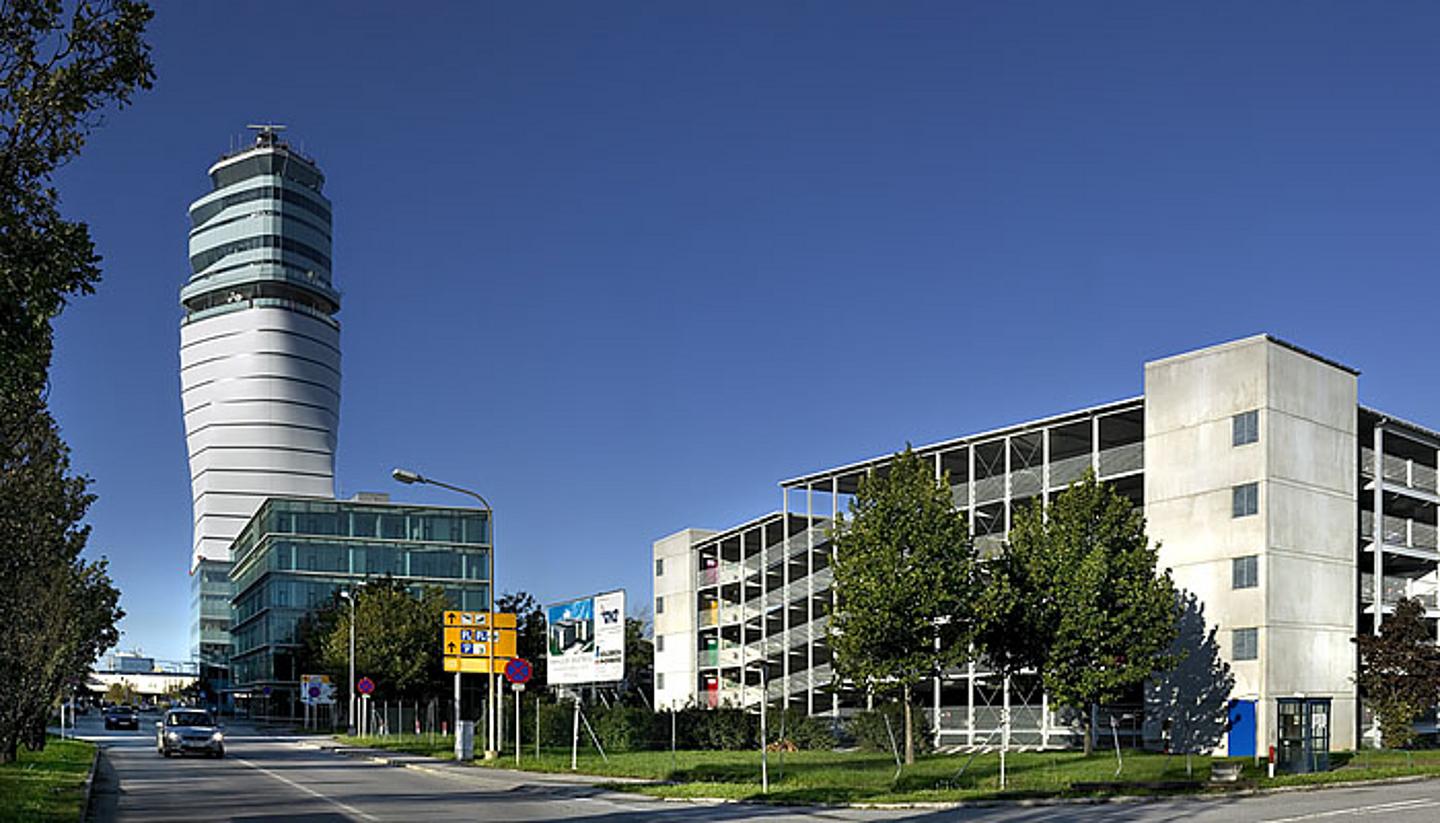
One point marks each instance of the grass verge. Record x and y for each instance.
(857, 777)
(47, 785)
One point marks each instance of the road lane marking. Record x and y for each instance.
(1379, 808)
(306, 789)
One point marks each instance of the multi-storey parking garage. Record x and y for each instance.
(1257, 471)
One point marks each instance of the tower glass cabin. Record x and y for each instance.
(259, 360)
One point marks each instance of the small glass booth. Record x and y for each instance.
(1303, 733)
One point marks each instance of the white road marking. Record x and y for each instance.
(306, 789)
(1356, 811)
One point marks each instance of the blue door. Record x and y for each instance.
(1241, 721)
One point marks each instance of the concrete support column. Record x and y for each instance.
(809, 599)
(785, 598)
(834, 518)
(1377, 588)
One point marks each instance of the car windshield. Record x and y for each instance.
(122, 710)
(189, 719)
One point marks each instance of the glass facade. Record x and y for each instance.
(295, 553)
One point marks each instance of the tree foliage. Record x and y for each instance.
(1400, 672)
(397, 639)
(530, 633)
(1075, 595)
(58, 609)
(58, 70)
(905, 571)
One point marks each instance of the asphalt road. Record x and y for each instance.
(268, 778)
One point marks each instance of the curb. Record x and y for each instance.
(1034, 802)
(90, 783)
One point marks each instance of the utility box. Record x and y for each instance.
(465, 741)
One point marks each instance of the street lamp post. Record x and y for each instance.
(492, 716)
(345, 593)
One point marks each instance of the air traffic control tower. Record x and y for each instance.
(259, 359)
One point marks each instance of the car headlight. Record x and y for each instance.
(173, 737)
(217, 737)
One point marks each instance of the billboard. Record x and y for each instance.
(317, 690)
(586, 640)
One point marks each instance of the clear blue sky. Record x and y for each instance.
(623, 266)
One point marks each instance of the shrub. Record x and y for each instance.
(624, 728)
(872, 734)
(805, 731)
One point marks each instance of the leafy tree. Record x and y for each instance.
(121, 693)
(1075, 595)
(58, 71)
(59, 610)
(639, 661)
(1400, 672)
(530, 632)
(397, 638)
(905, 572)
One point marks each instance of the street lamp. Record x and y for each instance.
(763, 666)
(492, 715)
(345, 593)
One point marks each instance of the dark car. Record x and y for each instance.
(189, 730)
(122, 717)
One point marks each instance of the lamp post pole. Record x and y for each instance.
(492, 715)
(351, 598)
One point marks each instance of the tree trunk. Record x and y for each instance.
(1089, 729)
(909, 731)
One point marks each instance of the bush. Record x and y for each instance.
(623, 728)
(872, 733)
(805, 731)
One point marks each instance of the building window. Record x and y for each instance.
(659, 681)
(659, 567)
(1245, 572)
(659, 642)
(1245, 644)
(659, 605)
(1245, 500)
(1245, 428)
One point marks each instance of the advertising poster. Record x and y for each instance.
(586, 640)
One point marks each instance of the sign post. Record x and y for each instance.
(479, 643)
(517, 671)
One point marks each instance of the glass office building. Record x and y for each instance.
(295, 553)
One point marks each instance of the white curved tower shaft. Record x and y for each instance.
(259, 357)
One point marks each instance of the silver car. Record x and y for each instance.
(189, 730)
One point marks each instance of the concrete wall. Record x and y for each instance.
(1304, 531)
(675, 665)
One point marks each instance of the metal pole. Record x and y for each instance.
(351, 598)
(764, 750)
(575, 736)
(456, 728)
(517, 727)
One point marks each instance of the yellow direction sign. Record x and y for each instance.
(462, 620)
(476, 665)
(477, 642)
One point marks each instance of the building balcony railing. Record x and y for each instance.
(1398, 471)
(1400, 531)
(1393, 589)
(1027, 482)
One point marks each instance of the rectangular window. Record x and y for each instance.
(659, 567)
(1245, 500)
(659, 681)
(1245, 572)
(1245, 644)
(1245, 428)
(659, 642)
(659, 605)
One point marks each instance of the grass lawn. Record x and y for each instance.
(855, 777)
(46, 785)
